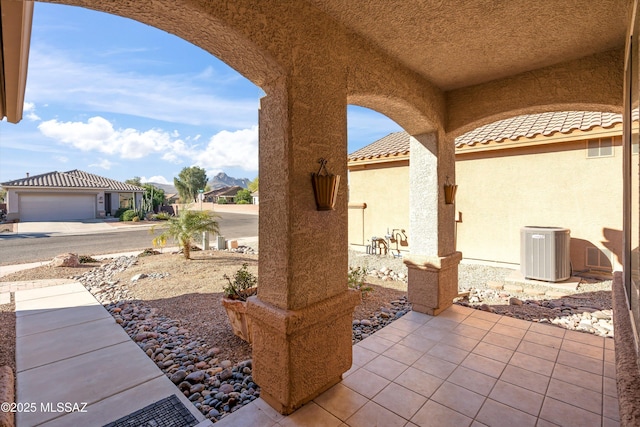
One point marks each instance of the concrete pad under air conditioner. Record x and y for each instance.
(571, 284)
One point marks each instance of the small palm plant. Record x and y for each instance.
(186, 227)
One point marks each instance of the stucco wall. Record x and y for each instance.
(385, 190)
(501, 191)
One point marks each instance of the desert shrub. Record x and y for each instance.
(222, 201)
(128, 215)
(119, 212)
(243, 286)
(355, 279)
(162, 216)
(135, 218)
(242, 202)
(85, 259)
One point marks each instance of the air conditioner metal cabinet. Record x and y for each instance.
(544, 253)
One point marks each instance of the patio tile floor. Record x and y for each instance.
(463, 368)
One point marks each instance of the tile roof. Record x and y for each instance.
(526, 126)
(71, 179)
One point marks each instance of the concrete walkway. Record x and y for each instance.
(72, 355)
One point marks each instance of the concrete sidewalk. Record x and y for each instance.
(76, 365)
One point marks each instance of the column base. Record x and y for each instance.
(298, 354)
(433, 282)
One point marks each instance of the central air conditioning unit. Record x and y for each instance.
(544, 253)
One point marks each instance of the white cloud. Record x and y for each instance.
(226, 149)
(231, 149)
(158, 179)
(188, 98)
(29, 109)
(102, 164)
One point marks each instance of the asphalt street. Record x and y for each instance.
(23, 248)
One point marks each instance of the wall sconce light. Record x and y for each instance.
(449, 192)
(325, 187)
(100, 199)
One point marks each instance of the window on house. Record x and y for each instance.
(601, 147)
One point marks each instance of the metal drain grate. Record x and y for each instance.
(168, 412)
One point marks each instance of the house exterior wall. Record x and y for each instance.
(384, 188)
(499, 192)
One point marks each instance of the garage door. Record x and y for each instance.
(44, 207)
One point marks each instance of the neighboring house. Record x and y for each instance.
(222, 195)
(552, 169)
(68, 195)
(255, 198)
(171, 198)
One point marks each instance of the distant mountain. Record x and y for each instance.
(223, 180)
(168, 188)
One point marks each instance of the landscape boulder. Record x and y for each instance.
(66, 260)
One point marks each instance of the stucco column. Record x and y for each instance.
(302, 314)
(433, 262)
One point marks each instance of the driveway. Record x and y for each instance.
(87, 226)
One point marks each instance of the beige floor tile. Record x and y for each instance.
(461, 342)
(478, 424)
(405, 324)
(268, 410)
(458, 398)
(441, 323)
(531, 363)
(526, 379)
(478, 323)
(431, 333)
(609, 356)
(589, 364)
(341, 401)
(494, 352)
(434, 366)
(610, 388)
(485, 315)
(546, 329)
(545, 423)
(575, 395)
(416, 317)
(484, 365)
(433, 414)
(419, 381)
(472, 380)
(583, 349)
(461, 309)
(578, 377)
(607, 422)
(403, 354)
(510, 331)
(391, 334)
(470, 331)
(310, 415)
(567, 415)
(400, 400)
(495, 413)
(365, 382)
(385, 367)
(585, 338)
(609, 344)
(373, 414)
(419, 343)
(515, 323)
(537, 350)
(517, 397)
(610, 408)
(374, 343)
(448, 353)
(542, 339)
(610, 370)
(501, 340)
(362, 356)
(453, 315)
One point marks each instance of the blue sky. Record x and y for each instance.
(118, 98)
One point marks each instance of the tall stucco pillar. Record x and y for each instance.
(302, 314)
(433, 262)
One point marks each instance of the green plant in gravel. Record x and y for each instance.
(162, 216)
(128, 215)
(355, 279)
(85, 259)
(244, 284)
(185, 228)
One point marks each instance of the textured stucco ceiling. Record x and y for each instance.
(455, 43)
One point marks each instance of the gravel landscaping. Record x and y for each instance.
(171, 308)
